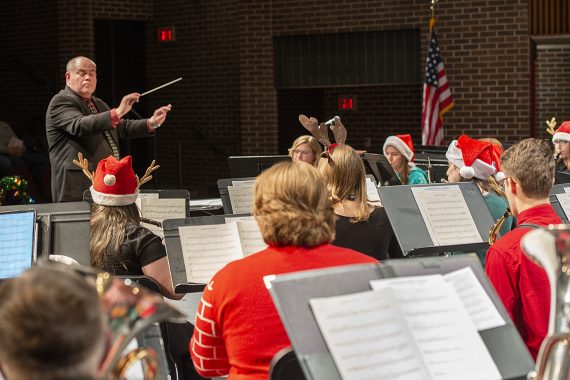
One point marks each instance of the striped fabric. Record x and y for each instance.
(437, 98)
(107, 134)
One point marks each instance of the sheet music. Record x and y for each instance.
(16, 243)
(564, 200)
(143, 196)
(481, 309)
(367, 336)
(479, 306)
(250, 237)
(241, 198)
(567, 189)
(161, 209)
(441, 326)
(372, 192)
(206, 249)
(249, 182)
(446, 215)
(187, 305)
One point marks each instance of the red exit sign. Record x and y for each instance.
(347, 102)
(165, 34)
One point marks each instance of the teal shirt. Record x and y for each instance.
(416, 176)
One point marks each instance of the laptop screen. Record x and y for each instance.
(17, 238)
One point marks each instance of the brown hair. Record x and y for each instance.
(52, 325)
(531, 163)
(344, 174)
(292, 206)
(108, 224)
(312, 143)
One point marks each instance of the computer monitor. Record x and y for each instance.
(17, 242)
(251, 166)
(379, 166)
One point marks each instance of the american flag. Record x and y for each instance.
(437, 98)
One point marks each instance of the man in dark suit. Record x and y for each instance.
(76, 121)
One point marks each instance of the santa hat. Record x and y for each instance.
(403, 143)
(562, 133)
(114, 182)
(474, 158)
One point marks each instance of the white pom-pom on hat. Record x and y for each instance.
(500, 176)
(109, 179)
(467, 172)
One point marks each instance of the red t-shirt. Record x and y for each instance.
(238, 329)
(521, 284)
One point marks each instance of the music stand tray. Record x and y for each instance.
(381, 169)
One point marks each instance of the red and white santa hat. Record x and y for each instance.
(403, 143)
(474, 158)
(114, 182)
(562, 133)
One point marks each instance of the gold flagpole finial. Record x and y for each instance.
(433, 4)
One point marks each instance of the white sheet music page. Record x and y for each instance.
(442, 329)
(446, 215)
(564, 200)
(372, 192)
(567, 189)
(206, 249)
(250, 237)
(475, 299)
(161, 209)
(241, 197)
(367, 336)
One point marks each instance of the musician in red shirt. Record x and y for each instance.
(521, 284)
(238, 329)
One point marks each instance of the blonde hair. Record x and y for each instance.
(108, 224)
(345, 176)
(531, 163)
(292, 206)
(52, 325)
(312, 143)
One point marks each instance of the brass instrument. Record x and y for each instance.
(550, 248)
(494, 231)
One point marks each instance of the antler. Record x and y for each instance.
(147, 177)
(84, 165)
(339, 131)
(551, 126)
(319, 131)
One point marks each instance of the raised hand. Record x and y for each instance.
(159, 115)
(127, 103)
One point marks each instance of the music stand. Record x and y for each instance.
(223, 184)
(558, 189)
(381, 169)
(175, 254)
(251, 166)
(409, 227)
(561, 177)
(291, 294)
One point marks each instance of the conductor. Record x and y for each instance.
(76, 121)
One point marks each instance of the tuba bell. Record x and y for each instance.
(550, 248)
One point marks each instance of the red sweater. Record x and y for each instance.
(521, 284)
(238, 329)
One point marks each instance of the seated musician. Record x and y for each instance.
(238, 329)
(399, 150)
(479, 161)
(118, 244)
(360, 225)
(520, 283)
(306, 149)
(52, 326)
(561, 140)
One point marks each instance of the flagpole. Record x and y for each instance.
(433, 4)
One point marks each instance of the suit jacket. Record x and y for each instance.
(72, 128)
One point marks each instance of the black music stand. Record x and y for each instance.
(291, 294)
(379, 166)
(561, 177)
(251, 166)
(558, 189)
(63, 229)
(223, 184)
(174, 250)
(409, 227)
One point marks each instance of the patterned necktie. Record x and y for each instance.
(107, 134)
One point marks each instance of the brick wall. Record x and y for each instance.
(227, 103)
(553, 86)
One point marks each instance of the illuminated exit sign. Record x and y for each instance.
(166, 34)
(347, 102)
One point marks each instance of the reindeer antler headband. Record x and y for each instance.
(321, 133)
